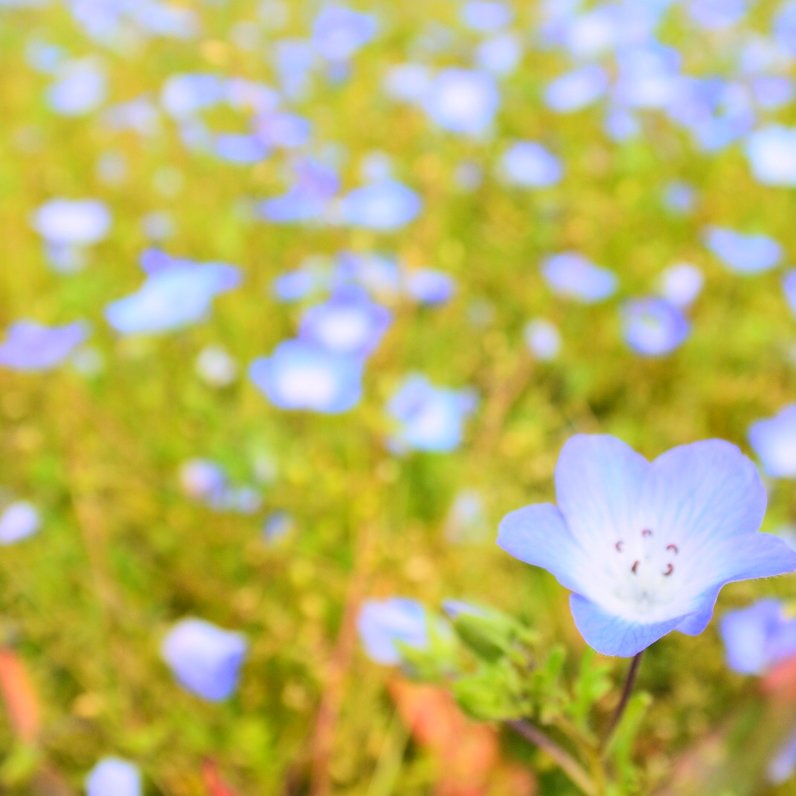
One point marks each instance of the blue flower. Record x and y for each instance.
(679, 197)
(543, 339)
(307, 199)
(348, 323)
(204, 658)
(462, 101)
(407, 82)
(645, 547)
(573, 276)
(781, 767)
(203, 479)
(681, 283)
(774, 441)
(113, 776)
(746, 254)
(303, 375)
(172, 297)
(80, 87)
(32, 346)
(216, 367)
(19, 521)
(500, 55)
(385, 205)
(576, 89)
(717, 14)
(339, 32)
(654, 326)
(789, 286)
(429, 418)
(486, 15)
(758, 637)
(530, 165)
(771, 152)
(429, 286)
(383, 624)
(72, 222)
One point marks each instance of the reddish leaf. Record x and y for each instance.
(19, 696)
(213, 781)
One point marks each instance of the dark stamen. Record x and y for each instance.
(646, 532)
(634, 568)
(673, 548)
(668, 571)
(619, 545)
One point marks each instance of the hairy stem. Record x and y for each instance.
(567, 763)
(627, 690)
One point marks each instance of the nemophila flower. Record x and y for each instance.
(243, 148)
(571, 275)
(216, 367)
(771, 152)
(184, 95)
(72, 222)
(649, 76)
(277, 526)
(79, 88)
(789, 286)
(285, 130)
(679, 197)
(543, 339)
(645, 547)
(339, 32)
(113, 776)
(348, 323)
(203, 479)
(384, 205)
(428, 418)
(621, 124)
(773, 91)
(681, 284)
(19, 521)
(486, 15)
(717, 14)
(530, 165)
(304, 375)
(385, 624)
(758, 637)
(429, 286)
(746, 254)
(500, 55)
(785, 27)
(308, 198)
(781, 767)
(172, 298)
(774, 442)
(204, 658)
(32, 346)
(462, 101)
(576, 89)
(654, 326)
(407, 82)
(466, 520)
(301, 283)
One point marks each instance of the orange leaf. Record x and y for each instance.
(19, 696)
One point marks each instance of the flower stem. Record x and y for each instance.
(567, 763)
(627, 690)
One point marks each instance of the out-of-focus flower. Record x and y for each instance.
(429, 286)
(681, 283)
(571, 275)
(789, 286)
(530, 165)
(172, 298)
(462, 101)
(303, 375)
(746, 254)
(758, 637)
(203, 479)
(679, 197)
(32, 346)
(19, 521)
(216, 367)
(72, 222)
(771, 152)
(204, 658)
(466, 520)
(717, 14)
(577, 89)
(774, 441)
(645, 547)
(385, 205)
(339, 32)
(384, 624)
(543, 339)
(113, 776)
(486, 15)
(654, 326)
(308, 198)
(781, 767)
(348, 323)
(79, 88)
(407, 82)
(428, 418)
(277, 526)
(500, 55)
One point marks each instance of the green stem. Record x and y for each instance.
(627, 690)
(567, 763)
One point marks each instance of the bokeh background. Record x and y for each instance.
(578, 217)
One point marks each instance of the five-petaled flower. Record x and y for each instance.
(645, 547)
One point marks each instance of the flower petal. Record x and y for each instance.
(539, 535)
(598, 482)
(760, 555)
(612, 635)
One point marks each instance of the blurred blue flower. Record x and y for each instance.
(384, 624)
(486, 15)
(681, 284)
(184, 95)
(407, 82)
(746, 254)
(303, 375)
(32, 346)
(429, 286)
(385, 205)
(771, 152)
(781, 767)
(758, 637)
(428, 418)
(19, 521)
(789, 286)
(717, 14)
(113, 776)
(679, 197)
(203, 479)
(773, 91)
(339, 32)
(571, 275)
(172, 298)
(785, 27)
(277, 526)
(654, 326)
(462, 101)
(216, 367)
(576, 89)
(308, 198)
(204, 658)
(243, 148)
(299, 284)
(72, 222)
(774, 442)
(294, 60)
(500, 55)
(530, 165)
(543, 339)
(79, 88)
(649, 76)
(348, 323)
(645, 547)
(466, 520)
(280, 129)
